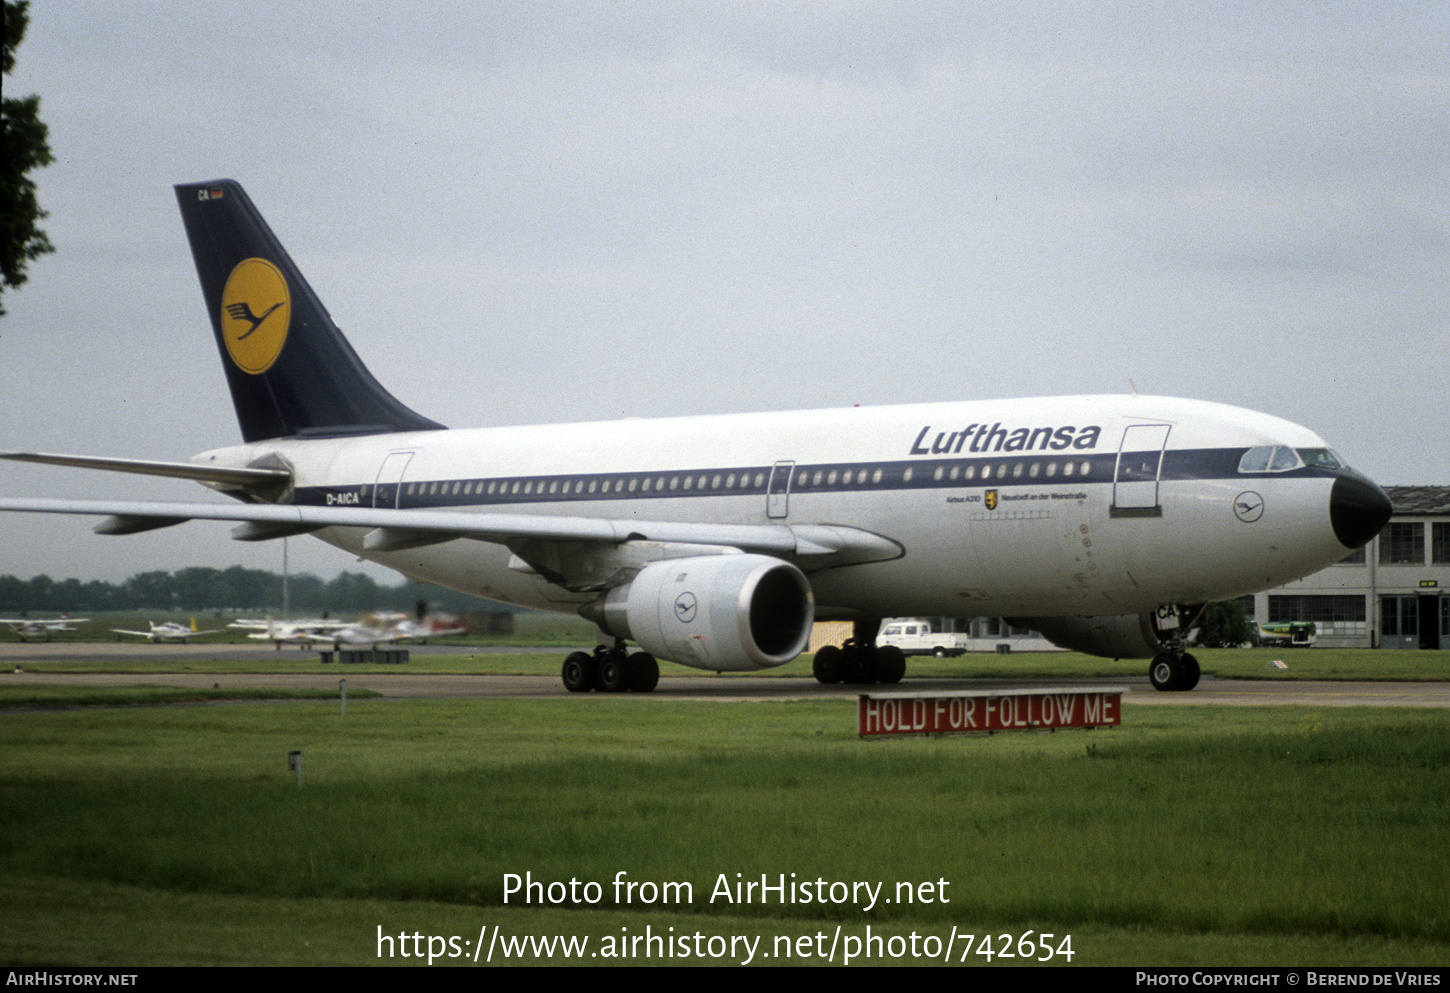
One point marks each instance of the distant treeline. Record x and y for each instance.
(234, 589)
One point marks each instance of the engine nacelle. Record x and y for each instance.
(1122, 636)
(719, 612)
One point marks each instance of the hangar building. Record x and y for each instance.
(1393, 593)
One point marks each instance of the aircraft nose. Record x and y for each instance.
(1358, 509)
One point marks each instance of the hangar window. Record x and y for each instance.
(1331, 615)
(1440, 542)
(1403, 543)
(1399, 616)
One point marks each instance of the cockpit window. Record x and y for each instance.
(1256, 459)
(1321, 458)
(1284, 459)
(1271, 458)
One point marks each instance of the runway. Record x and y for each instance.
(685, 686)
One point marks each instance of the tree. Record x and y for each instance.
(26, 149)
(1225, 625)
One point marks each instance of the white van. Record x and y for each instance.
(915, 637)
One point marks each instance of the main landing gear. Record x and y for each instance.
(611, 670)
(860, 659)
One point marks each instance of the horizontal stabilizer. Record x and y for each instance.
(220, 475)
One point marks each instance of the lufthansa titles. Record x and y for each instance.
(977, 438)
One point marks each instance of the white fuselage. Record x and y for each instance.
(1025, 507)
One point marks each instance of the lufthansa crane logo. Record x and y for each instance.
(256, 313)
(1248, 506)
(685, 607)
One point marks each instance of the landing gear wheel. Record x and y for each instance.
(642, 672)
(1164, 672)
(613, 674)
(890, 664)
(827, 668)
(579, 671)
(860, 665)
(1188, 678)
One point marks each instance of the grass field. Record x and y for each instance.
(1231, 663)
(1190, 835)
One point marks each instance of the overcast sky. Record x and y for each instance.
(525, 212)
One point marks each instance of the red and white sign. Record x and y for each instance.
(987, 710)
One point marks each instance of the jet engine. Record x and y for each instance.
(721, 612)
(1123, 636)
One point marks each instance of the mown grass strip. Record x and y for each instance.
(1259, 826)
(47, 696)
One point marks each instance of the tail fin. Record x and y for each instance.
(290, 370)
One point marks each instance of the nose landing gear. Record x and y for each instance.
(1173, 672)
(1173, 669)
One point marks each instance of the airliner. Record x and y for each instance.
(1104, 522)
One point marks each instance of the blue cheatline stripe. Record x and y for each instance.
(815, 478)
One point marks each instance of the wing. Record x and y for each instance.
(569, 551)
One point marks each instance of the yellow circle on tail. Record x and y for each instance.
(256, 313)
